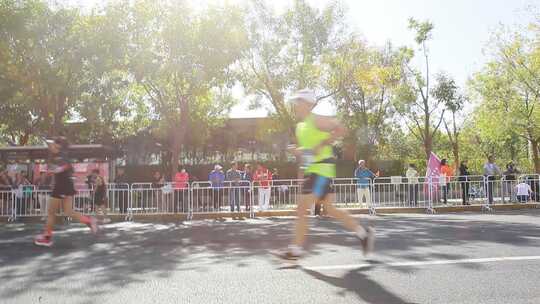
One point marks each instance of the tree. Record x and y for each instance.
(285, 54)
(446, 92)
(365, 80)
(508, 94)
(182, 59)
(40, 49)
(415, 103)
(109, 107)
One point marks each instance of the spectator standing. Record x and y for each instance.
(91, 179)
(122, 186)
(464, 180)
(263, 177)
(275, 174)
(412, 178)
(158, 181)
(5, 181)
(364, 177)
(523, 191)
(181, 184)
(234, 176)
(22, 193)
(510, 177)
(246, 182)
(491, 170)
(5, 192)
(216, 178)
(100, 199)
(275, 193)
(43, 184)
(446, 175)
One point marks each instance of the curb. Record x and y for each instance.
(278, 213)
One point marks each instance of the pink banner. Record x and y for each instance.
(433, 173)
(433, 167)
(81, 171)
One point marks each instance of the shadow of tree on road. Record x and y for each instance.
(130, 253)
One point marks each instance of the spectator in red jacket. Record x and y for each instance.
(181, 180)
(263, 181)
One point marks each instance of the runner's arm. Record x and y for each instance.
(332, 125)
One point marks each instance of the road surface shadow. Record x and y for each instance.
(129, 253)
(357, 282)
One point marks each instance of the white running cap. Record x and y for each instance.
(304, 95)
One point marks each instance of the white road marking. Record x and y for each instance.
(425, 263)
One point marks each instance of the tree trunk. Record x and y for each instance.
(428, 138)
(455, 151)
(535, 155)
(178, 135)
(59, 110)
(428, 144)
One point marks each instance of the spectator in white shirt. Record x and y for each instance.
(523, 190)
(412, 178)
(490, 171)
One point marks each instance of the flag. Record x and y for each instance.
(433, 167)
(433, 173)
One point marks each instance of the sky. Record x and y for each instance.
(462, 29)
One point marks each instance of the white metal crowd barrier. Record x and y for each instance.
(147, 199)
(280, 194)
(251, 197)
(222, 197)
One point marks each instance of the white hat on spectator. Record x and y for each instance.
(304, 95)
(218, 167)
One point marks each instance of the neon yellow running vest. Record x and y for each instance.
(309, 136)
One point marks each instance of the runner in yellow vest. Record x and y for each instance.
(315, 134)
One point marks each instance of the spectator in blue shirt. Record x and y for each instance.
(363, 180)
(216, 178)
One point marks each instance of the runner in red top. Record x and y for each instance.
(263, 181)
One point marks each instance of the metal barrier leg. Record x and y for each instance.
(190, 204)
(372, 211)
(129, 207)
(487, 206)
(430, 209)
(251, 212)
(13, 216)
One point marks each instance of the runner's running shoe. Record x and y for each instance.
(93, 225)
(368, 242)
(43, 240)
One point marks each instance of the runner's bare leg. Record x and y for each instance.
(54, 205)
(67, 204)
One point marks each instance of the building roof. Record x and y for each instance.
(41, 152)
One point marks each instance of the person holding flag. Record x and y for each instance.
(433, 175)
(315, 134)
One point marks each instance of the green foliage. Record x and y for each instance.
(285, 53)
(507, 93)
(422, 30)
(166, 70)
(366, 81)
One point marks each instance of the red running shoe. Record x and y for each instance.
(43, 240)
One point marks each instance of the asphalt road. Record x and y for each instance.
(453, 258)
